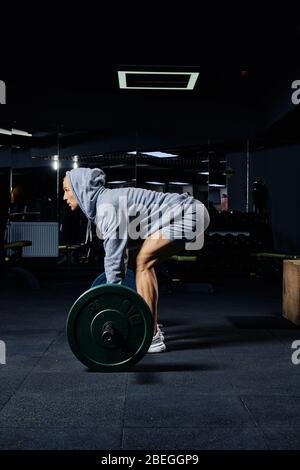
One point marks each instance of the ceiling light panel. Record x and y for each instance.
(145, 80)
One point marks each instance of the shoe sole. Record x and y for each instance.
(157, 350)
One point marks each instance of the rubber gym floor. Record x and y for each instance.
(226, 381)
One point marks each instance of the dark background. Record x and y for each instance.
(62, 86)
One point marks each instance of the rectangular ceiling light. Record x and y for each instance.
(160, 154)
(15, 132)
(20, 132)
(141, 80)
(5, 131)
(117, 182)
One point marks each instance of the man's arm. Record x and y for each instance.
(116, 259)
(113, 226)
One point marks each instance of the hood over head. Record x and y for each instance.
(86, 185)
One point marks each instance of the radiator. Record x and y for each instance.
(43, 235)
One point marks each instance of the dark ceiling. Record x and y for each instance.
(66, 77)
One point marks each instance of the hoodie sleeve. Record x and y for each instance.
(116, 252)
(115, 260)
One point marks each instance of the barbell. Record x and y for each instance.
(110, 326)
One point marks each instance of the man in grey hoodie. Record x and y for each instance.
(159, 224)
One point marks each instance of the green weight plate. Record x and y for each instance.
(109, 328)
(129, 280)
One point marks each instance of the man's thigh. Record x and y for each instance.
(157, 248)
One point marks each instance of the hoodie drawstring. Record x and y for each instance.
(89, 233)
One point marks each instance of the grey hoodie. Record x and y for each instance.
(114, 210)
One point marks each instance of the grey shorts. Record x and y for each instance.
(188, 225)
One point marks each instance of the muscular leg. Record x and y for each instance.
(147, 287)
(153, 251)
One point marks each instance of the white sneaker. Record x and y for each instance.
(160, 331)
(157, 344)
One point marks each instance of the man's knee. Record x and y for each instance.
(144, 262)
